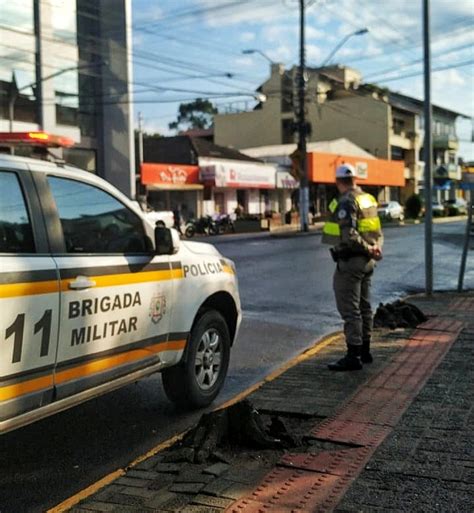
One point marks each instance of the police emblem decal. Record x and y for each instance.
(157, 308)
(342, 214)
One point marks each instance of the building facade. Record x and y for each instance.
(68, 66)
(387, 125)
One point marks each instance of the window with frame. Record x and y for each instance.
(93, 221)
(16, 234)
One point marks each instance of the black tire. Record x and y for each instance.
(181, 382)
(189, 231)
(213, 230)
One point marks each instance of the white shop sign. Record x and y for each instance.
(238, 175)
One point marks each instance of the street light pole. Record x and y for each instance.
(302, 128)
(428, 152)
(342, 43)
(251, 51)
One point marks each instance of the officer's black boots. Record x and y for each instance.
(351, 361)
(365, 356)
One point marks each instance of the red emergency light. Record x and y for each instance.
(39, 138)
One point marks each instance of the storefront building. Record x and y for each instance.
(232, 186)
(381, 178)
(173, 187)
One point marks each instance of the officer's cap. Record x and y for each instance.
(345, 171)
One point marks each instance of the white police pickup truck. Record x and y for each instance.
(93, 297)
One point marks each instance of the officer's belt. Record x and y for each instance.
(344, 255)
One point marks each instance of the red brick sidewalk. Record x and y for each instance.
(307, 483)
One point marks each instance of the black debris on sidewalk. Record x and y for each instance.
(399, 314)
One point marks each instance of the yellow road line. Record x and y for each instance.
(95, 487)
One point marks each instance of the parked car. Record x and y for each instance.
(391, 210)
(94, 296)
(455, 207)
(164, 218)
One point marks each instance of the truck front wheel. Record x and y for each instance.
(197, 380)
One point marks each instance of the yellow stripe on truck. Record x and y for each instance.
(110, 362)
(87, 369)
(29, 289)
(25, 387)
(50, 287)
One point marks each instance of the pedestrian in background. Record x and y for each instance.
(355, 232)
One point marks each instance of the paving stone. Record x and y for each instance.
(191, 508)
(217, 469)
(171, 468)
(126, 500)
(176, 503)
(208, 500)
(142, 474)
(138, 492)
(149, 463)
(106, 492)
(237, 490)
(97, 506)
(218, 486)
(192, 488)
(161, 482)
(131, 481)
(161, 498)
(194, 477)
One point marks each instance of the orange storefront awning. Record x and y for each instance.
(170, 176)
(322, 169)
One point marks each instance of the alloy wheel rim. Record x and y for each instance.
(208, 359)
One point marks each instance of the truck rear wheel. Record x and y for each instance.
(197, 380)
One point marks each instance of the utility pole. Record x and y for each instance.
(302, 127)
(428, 152)
(140, 139)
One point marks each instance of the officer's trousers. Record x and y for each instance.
(352, 282)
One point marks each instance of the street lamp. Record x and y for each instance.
(264, 55)
(341, 43)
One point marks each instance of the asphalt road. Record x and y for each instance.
(288, 303)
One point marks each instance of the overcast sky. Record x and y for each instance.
(183, 49)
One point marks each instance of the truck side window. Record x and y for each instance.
(93, 221)
(16, 235)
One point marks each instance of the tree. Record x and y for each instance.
(196, 114)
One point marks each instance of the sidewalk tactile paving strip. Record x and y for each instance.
(339, 463)
(315, 483)
(349, 432)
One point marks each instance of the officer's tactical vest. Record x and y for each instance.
(368, 222)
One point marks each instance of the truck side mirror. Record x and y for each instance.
(166, 241)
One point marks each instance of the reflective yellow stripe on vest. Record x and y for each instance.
(332, 230)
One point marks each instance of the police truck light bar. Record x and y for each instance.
(39, 138)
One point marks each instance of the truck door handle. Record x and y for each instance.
(81, 283)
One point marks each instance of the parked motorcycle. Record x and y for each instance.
(225, 224)
(204, 226)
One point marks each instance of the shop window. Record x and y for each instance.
(397, 153)
(398, 126)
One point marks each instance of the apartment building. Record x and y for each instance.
(68, 65)
(386, 124)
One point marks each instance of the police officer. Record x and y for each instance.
(355, 233)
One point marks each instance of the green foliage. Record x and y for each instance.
(197, 114)
(413, 206)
